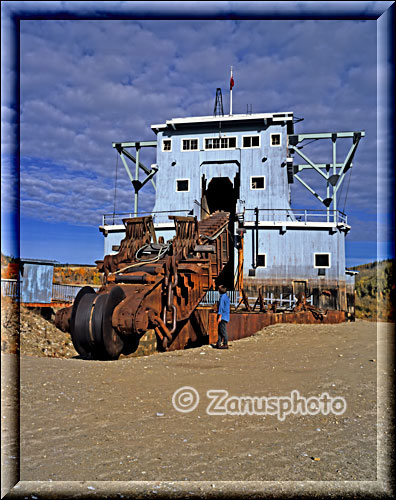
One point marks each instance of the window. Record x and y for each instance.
(167, 145)
(220, 142)
(190, 144)
(251, 141)
(275, 139)
(262, 260)
(321, 260)
(183, 185)
(257, 182)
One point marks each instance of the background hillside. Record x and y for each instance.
(72, 274)
(67, 274)
(375, 291)
(375, 284)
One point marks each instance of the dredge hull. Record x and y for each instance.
(203, 328)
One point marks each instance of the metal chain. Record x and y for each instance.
(171, 279)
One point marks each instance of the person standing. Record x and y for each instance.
(223, 317)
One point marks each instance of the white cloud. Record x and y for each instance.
(85, 84)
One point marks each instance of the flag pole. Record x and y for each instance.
(231, 85)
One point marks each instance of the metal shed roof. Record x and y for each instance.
(38, 261)
(274, 117)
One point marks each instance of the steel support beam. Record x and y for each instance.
(334, 140)
(124, 153)
(126, 166)
(347, 164)
(134, 160)
(328, 193)
(309, 188)
(296, 138)
(335, 180)
(318, 165)
(149, 177)
(142, 144)
(137, 179)
(304, 157)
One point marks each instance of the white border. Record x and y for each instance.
(276, 145)
(188, 190)
(251, 147)
(322, 253)
(256, 189)
(188, 139)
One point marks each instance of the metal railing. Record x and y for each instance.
(10, 288)
(212, 297)
(62, 293)
(116, 219)
(281, 299)
(289, 300)
(67, 293)
(298, 215)
(267, 214)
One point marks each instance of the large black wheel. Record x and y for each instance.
(91, 327)
(96, 326)
(79, 320)
(112, 342)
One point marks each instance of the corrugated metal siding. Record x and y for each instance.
(291, 255)
(36, 286)
(10, 288)
(190, 164)
(276, 192)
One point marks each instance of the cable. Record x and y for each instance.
(204, 209)
(346, 196)
(115, 187)
(313, 140)
(342, 187)
(161, 252)
(211, 238)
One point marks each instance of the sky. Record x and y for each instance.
(87, 83)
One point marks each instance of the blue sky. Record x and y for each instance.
(87, 83)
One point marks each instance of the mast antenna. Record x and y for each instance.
(218, 107)
(231, 85)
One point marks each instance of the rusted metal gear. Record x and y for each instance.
(302, 305)
(149, 285)
(62, 319)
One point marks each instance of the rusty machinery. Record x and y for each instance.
(148, 284)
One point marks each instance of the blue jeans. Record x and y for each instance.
(222, 331)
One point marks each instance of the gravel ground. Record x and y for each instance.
(108, 426)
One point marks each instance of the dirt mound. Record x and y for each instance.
(25, 330)
(28, 332)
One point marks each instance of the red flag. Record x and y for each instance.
(231, 82)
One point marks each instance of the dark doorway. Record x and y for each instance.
(299, 288)
(221, 194)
